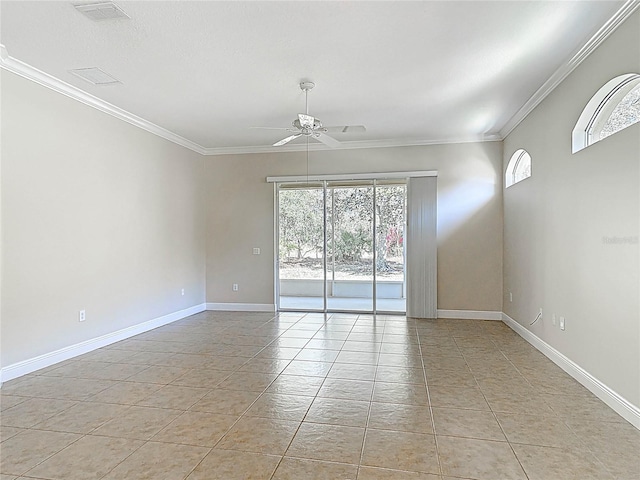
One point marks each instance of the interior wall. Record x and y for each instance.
(558, 252)
(241, 216)
(97, 215)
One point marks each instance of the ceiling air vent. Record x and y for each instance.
(101, 11)
(95, 76)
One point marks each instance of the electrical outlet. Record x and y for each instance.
(561, 323)
(256, 251)
(235, 287)
(510, 297)
(81, 316)
(182, 292)
(553, 318)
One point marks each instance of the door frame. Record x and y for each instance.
(324, 179)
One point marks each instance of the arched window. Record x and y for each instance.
(518, 168)
(614, 107)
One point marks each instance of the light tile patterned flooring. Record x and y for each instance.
(303, 396)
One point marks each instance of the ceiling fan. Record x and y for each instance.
(311, 127)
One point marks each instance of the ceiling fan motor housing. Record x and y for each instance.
(317, 126)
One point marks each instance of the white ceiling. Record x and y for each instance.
(412, 72)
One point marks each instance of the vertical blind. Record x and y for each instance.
(421, 248)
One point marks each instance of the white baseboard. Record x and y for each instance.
(623, 407)
(470, 314)
(242, 307)
(31, 365)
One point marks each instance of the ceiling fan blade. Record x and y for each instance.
(327, 140)
(346, 129)
(286, 140)
(306, 120)
(288, 129)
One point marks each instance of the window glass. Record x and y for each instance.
(625, 114)
(518, 168)
(614, 107)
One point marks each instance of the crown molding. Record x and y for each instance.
(31, 73)
(392, 142)
(563, 72)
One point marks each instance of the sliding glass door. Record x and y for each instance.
(350, 247)
(390, 217)
(341, 246)
(301, 251)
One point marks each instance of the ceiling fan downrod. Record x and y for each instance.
(305, 87)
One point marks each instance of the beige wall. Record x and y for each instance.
(554, 254)
(240, 216)
(96, 215)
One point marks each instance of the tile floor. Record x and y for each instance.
(303, 396)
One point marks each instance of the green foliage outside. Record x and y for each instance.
(349, 223)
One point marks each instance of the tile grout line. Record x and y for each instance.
(495, 417)
(234, 423)
(247, 409)
(552, 409)
(301, 421)
(433, 421)
(183, 412)
(373, 389)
